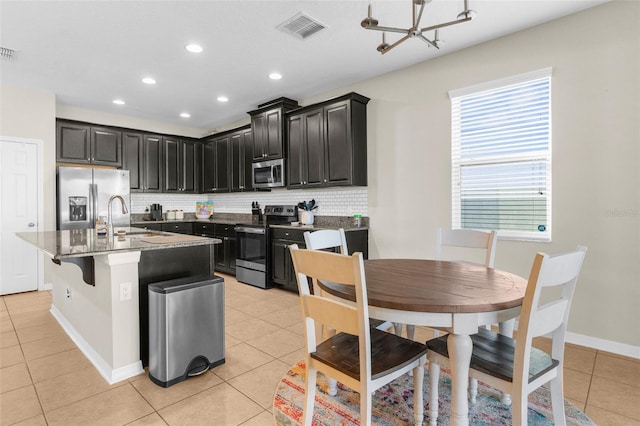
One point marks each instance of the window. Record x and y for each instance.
(501, 157)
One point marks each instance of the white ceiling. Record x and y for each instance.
(91, 52)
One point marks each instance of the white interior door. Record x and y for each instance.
(18, 213)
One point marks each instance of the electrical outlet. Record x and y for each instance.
(125, 291)
(68, 293)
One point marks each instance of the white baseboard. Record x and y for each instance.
(110, 375)
(604, 345)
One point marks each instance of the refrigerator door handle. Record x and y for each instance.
(94, 204)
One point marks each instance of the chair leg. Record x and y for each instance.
(434, 377)
(473, 389)
(309, 395)
(333, 386)
(418, 404)
(506, 329)
(397, 328)
(365, 407)
(519, 410)
(411, 331)
(557, 400)
(327, 332)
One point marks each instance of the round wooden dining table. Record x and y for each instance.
(453, 296)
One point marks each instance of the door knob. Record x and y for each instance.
(31, 224)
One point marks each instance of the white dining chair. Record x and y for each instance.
(324, 239)
(359, 356)
(462, 238)
(514, 366)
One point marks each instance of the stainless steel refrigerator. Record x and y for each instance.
(83, 194)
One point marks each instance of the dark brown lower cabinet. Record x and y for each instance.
(282, 272)
(226, 251)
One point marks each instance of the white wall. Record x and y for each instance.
(30, 114)
(596, 179)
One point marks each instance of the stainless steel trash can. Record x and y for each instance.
(186, 327)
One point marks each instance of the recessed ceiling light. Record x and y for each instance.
(149, 80)
(118, 101)
(194, 48)
(223, 99)
(185, 115)
(275, 76)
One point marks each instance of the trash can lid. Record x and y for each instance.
(185, 283)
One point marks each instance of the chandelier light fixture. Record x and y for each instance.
(417, 8)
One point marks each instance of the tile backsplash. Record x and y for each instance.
(330, 201)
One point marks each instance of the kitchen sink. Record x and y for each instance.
(144, 234)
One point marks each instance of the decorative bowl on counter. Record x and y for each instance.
(202, 216)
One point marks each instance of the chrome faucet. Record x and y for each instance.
(109, 214)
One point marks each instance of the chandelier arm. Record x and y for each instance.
(429, 42)
(391, 46)
(416, 23)
(388, 29)
(445, 24)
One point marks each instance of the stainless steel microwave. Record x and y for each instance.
(268, 174)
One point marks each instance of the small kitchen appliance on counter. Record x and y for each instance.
(256, 212)
(156, 212)
(253, 256)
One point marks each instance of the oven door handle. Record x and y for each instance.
(250, 230)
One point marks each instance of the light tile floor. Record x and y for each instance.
(46, 380)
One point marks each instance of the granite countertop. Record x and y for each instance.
(347, 227)
(187, 220)
(315, 227)
(85, 242)
(321, 222)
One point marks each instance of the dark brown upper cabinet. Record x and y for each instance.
(241, 159)
(81, 143)
(132, 159)
(152, 163)
(268, 127)
(192, 161)
(327, 143)
(215, 164)
(181, 165)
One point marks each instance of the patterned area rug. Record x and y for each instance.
(393, 404)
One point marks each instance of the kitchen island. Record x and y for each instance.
(99, 285)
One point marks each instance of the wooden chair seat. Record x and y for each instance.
(493, 354)
(388, 353)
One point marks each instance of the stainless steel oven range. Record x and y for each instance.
(253, 260)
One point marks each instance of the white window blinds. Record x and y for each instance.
(501, 157)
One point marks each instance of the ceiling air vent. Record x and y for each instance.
(6, 53)
(301, 26)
